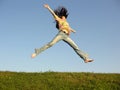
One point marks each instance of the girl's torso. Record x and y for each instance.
(64, 26)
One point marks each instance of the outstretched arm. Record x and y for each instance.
(51, 11)
(72, 30)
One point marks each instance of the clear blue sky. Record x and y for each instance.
(26, 24)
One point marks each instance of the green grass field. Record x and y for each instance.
(59, 81)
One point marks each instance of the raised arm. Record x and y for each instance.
(51, 11)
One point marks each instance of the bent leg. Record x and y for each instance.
(83, 55)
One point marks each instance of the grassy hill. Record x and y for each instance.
(59, 81)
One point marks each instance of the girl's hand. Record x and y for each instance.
(46, 5)
(72, 30)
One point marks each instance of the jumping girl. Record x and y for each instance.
(60, 16)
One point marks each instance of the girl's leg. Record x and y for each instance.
(83, 55)
(50, 44)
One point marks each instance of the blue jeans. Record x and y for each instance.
(63, 36)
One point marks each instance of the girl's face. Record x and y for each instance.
(63, 17)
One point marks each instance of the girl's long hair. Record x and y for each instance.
(61, 11)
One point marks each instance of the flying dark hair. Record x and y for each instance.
(61, 11)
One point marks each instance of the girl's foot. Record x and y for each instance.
(88, 60)
(33, 55)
